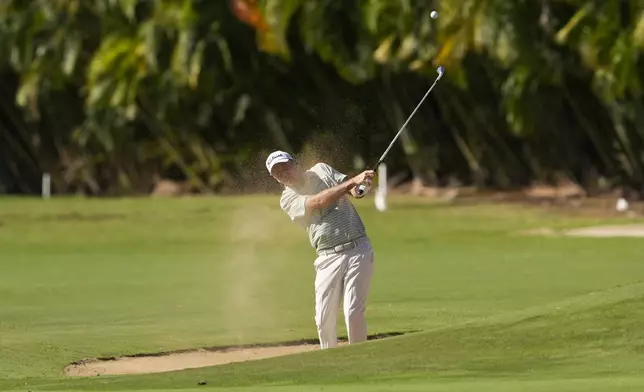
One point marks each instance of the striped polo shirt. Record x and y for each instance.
(337, 224)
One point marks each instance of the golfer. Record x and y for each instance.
(317, 199)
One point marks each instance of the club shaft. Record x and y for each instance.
(382, 158)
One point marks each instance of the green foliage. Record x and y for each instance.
(113, 94)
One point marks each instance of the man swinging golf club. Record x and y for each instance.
(317, 199)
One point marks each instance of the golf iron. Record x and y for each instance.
(362, 189)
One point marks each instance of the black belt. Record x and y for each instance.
(342, 247)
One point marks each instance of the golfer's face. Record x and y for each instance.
(286, 173)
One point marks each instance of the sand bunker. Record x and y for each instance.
(190, 359)
(608, 231)
(597, 231)
(179, 361)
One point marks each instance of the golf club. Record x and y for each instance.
(363, 188)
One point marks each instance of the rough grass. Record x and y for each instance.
(498, 311)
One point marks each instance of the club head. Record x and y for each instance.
(440, 70)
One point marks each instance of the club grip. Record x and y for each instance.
(362, 190)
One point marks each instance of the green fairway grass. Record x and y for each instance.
(483, 307)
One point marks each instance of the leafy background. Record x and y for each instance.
(109, 96)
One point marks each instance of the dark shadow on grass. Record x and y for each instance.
(300, 342)
(67, 216)
(420, 205)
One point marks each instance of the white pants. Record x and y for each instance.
(346, 274)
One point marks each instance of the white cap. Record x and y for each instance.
(277, 157)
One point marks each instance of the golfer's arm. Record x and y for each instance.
(352, 190)
(328, 196)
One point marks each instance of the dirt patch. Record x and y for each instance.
(190, 359)
(542, 231)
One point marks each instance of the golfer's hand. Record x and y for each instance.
(364, 178)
